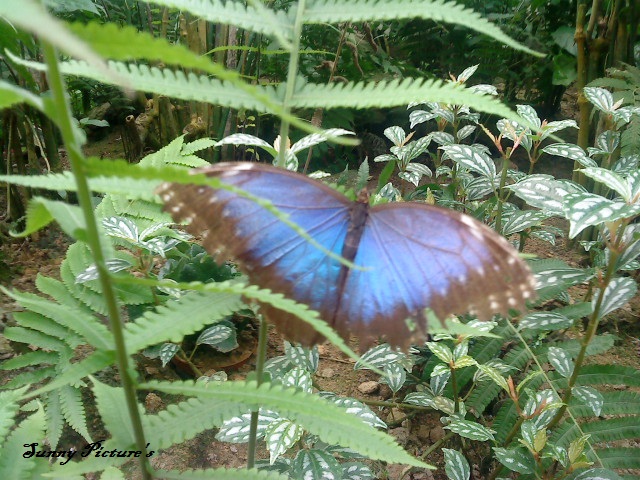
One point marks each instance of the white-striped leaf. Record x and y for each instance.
(465, 131)
(480, 187)
(312, 464)
(444, 404)
(545, 236)
(571, 151)
(548, 401)
(626, 165)
(553, 127)
(597, 474)
(246, 139)
(561, 361)
(307, 358)
(167, 351)
(386, 157)
(411, 150)
(561, 276)
(528, 113)
(420, 168)
(466, 73)
(493, 374)
(634, 184)
(600, 98)
(455, 465)
(299, 378)
(356, 471)
(280, 436)
(396, 134)
(591, 397)
(610, 179)
(379, 356)
(215, 335)
(442, 138)
(316, 138)
(618, 292)
(545, 321)
(394, 376)
(420, 116)
(606, 143)
(422, 399)
(236, 429)
(356, 408)
(472, 159)
(441, 351)
(471, 430)
(91, 272)
(516, 459)
(121, 227)
(522, 220)
(411, 177)
(545, 192)
(586, 209)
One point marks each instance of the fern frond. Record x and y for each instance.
(628, 457)
(8, 408)
(76, 320)
(34, 337)
(29, 378)
(395, 93)
(55, 419)
(601, 430)
(184, 420)
(39, 357)
(73, 410)
(75, 372)
(58, 292)
(12, 463)
(176, 318)
(272, 23)
(80, 292)
(336, 11)
(320, 417)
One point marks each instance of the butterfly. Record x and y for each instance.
(408, 256)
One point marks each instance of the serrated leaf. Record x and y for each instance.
(298, 378)
(167, 352)
(306, 358)
(396, 134)
(355, 407)
(441, 351)
(494, 375)
(545, 192)
(395, 376)
(522, 220)
(378, 357)
(236, 429)
(311, 464)
(571, 151)
(586, 209)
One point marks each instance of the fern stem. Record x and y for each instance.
(260, 361)
(64, 122)
(291, 80)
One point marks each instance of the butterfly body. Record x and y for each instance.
(408, 256)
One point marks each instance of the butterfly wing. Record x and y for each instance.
(270, 252)
(417, 256)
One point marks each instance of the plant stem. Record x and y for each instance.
(64, 122)
(291, 80)
(260, 361)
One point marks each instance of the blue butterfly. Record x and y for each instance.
(411, 256)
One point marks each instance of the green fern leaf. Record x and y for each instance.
(33, 337)
(36, 321)
(12, 463)
(176, 318)
(30, 378)
(73, 409)
(331, 423)
(615, 403)
(8, 408)
(272, 23)
(221, 474)
(80, 292)
(184, 420)
(39, 357)
(394, 93)
(601, 430)
(76, 320)
(335, 11)
(73, 373)
(622, 457)
(112, 406)
(55, 419)
(59, 292)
